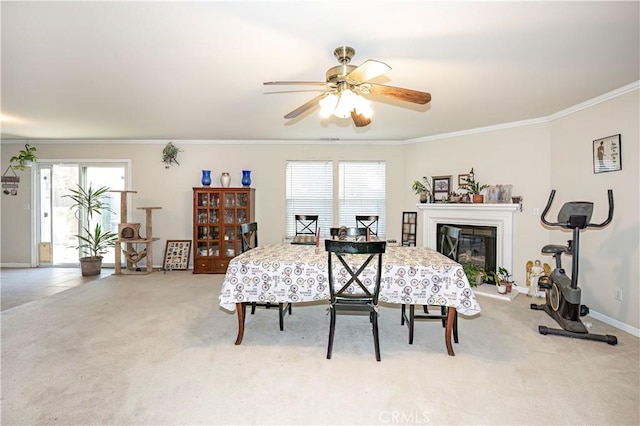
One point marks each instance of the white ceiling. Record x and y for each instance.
(194, 70)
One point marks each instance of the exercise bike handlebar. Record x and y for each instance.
(589, 225)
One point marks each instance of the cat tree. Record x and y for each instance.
(129, 235)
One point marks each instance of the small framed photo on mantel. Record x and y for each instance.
(607, 154)
(441, 186)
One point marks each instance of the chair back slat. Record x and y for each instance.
(449, 241)
(369, 222)
(306, 224)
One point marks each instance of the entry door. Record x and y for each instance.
(57, 224)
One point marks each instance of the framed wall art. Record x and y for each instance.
(462, 180)
(177, 254)
(441, 187)
(607, 154)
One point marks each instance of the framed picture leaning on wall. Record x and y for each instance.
(177, 254)
(441, 186)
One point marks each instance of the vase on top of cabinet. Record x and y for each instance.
(217, 216)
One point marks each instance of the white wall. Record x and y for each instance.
(609, 258)
(516, 156)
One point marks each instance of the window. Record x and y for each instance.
(310, 191)
(362, 192)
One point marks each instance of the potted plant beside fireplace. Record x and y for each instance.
(93, 242)
(503, 280)
(474, 187)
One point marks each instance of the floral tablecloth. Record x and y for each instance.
(297, 273)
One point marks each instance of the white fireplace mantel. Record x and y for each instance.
(497, 215)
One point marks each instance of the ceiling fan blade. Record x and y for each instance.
(291, 83)
(306, 106)
(407, 95)
(368, 70)
(360, 120)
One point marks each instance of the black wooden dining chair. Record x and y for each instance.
(368, 222)
(306, 229)
(249, 234)
(354, 290)
(449, 243)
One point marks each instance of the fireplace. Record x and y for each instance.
(481, 216)
(477, 245)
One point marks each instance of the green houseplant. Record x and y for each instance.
(422, 189)
(502, 278)
(474, 273)
(474, 187)
(93, 242)
(24, 158)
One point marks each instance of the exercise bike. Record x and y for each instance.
(562, 293)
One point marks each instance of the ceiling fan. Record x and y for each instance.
(344, 86)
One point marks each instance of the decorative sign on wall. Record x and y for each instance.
(10, 182)
(607, 154)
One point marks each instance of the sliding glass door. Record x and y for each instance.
(56, 224)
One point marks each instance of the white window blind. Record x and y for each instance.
(362, 192)
(309, 192)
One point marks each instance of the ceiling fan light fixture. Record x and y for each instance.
(328, 105)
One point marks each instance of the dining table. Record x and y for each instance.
(289, 273)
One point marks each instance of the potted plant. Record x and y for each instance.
(503, 280)
(473, 187)
(474, 273)
(422, 189)
(170, 155)
(93, 243)
(24, 158)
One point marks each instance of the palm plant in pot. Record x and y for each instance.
(93, 242)
(474, 187)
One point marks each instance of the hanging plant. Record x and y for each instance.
(24, 158)
(170, 154)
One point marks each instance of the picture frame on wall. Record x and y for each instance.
(441, 186)
(462, 180)
(176, 255)
(607, 154)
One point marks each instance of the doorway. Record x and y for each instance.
(56, 224)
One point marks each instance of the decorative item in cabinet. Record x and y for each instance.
(217, 216)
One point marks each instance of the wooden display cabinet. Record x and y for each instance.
(217, 216)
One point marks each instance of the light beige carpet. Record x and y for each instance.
(157, 349)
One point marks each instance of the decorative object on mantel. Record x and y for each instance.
(225, 180)
(246, 178)
(517, 199)
(422, 189)
(170, 155)
(441, 188)
(24, 158)
(474, 187)
(499, 194)
(607, 154)
(10, 183)
(206, 177)
(536, 270)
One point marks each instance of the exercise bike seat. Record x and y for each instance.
(555, 249)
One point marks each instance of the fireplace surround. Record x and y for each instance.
(499, 216)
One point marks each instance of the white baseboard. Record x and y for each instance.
(615, 323)
(15, 265)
